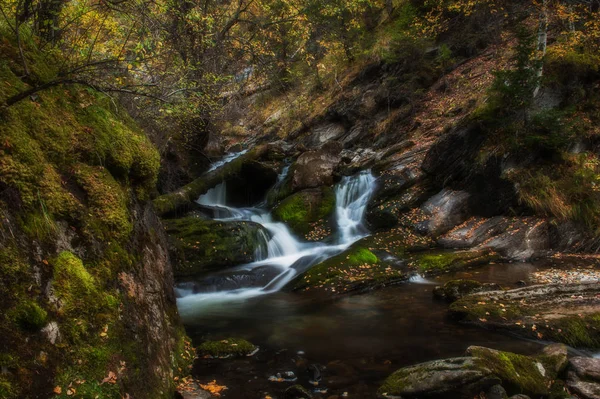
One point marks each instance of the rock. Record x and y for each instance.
(557, 357)
(193, 391)
(297, 392)
(518, 373)
(307, 213)
(315, 168)
(585, 390)
(448, 378)
(456, 289)
(496, 392)
(230, 347)
(327, 132)
(443, 211)
(586, 368)
(566, 313)
(473, 232)
(438, 262)
(198, 245)
(525, 239)
(52, 332)
(584, 377)
(393, 198)
(519, 396)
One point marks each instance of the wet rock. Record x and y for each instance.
(438, 262)
(286, 376)
(315, 168)
(585, 368)
(230, 347)
(297, 392)
(308, 212)
(496, 392)
(566, 313)
(519, 396)
(584, 377)
(443, 211)
(448, 378)
(193, 391)
(557, 359)
(198, 245)
(456, 289)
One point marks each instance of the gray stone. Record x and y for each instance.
(315, 168)
(496, 392)
(585, 390)
(443, 211)
(52, 332)
(586, 368)
(524, 239)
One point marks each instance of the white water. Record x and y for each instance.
(226, 159)
(286, 255)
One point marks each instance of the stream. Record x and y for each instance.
(355, 341)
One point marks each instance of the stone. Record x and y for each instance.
(473, 232)
(525, 239)
(315, 168)
(197, 245)
(448, 378)
(585, 390)
(496, 392)
(558, 355)
(52, 332)
(586, 368)
(327, 132)
(443, 211)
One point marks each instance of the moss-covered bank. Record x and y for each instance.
(86, 283)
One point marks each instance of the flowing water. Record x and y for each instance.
(286, 256)
(355, 341)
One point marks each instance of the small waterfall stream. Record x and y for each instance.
(286, 256)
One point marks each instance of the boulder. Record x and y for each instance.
(438, 262)
(307, 213)
(443, 211)
(524, 239)
(297, 392)
(315, 168)
(584, 377)
(449, 378)
(327, 132)
(198, 245)
(473, 232)
(393, 198)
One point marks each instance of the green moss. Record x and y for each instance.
(362, 256)
(30, 316)
(576, 331)
(109, 215)
(435, 263)
(519, 374)
(73, 284)
(355, 269)
(303, 209)
(226, 348)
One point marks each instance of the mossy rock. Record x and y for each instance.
(456, 289)
(306, 211)
(433, 263)
(537, 312)
(230, 347)
(199, 245)
(529, 375)
(355, 269)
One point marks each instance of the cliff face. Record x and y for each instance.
(88, 308)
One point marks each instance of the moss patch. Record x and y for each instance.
(355, 269)
(443, 262)
(226, 348)
(306, 211)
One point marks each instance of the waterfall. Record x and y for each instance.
(226, 159)
(286, 256)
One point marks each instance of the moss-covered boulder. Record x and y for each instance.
(308, 213)
(481, 371)
(198, 245)
(439, 262)
(394, 197)
(355, 269)
(456, 289)
(566, 313)
(230, 347)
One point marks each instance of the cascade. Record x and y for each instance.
(286, 256)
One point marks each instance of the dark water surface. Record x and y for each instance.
(356, 341)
